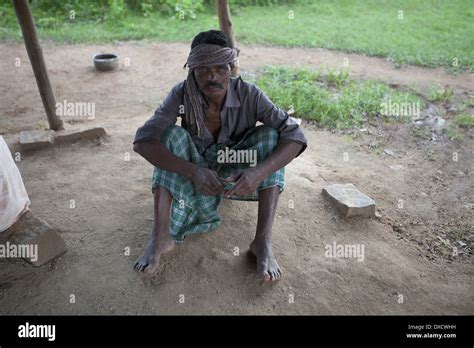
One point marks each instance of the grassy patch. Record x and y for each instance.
(459, 233)
(331, 98)
(422, 32)
(464, 121)
(453, 133)
(453, 130)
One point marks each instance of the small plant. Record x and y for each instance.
(440, 94)
(377, 150)
(430, 154)
(422, 133)
(458, 233)
(336, 77)
(453, 133)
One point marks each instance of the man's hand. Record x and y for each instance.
(247, 182)
(207, 181)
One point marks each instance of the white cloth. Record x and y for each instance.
(14, 200)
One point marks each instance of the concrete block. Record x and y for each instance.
(32, 140)
(349, 200)
(36, 139)
(71, 135)
(30, 230)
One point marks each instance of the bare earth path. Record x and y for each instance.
(113, 213)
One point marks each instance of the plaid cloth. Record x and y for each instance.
(192, 211)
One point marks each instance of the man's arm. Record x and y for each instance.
(279, 158)
(158, 155)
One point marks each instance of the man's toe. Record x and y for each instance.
(266, 275)
(274, 275)
(136, 266)
(142, 266)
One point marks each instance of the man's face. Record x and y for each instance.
(213, 80)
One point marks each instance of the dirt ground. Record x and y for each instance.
(425, 202)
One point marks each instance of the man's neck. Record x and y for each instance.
(215, 103)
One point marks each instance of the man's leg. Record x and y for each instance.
(261, 246)
(161, 240)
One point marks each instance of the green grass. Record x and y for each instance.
(440, 94)
(464, 121)
(459, 233)
(453, 133)
(431, 33)
(331, 98)
(453, 130)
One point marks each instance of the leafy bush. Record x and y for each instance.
(54, 13)
(57, 12)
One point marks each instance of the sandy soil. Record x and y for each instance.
(408, 250)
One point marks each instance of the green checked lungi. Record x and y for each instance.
(191, 210)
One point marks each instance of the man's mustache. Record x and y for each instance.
(214, 85)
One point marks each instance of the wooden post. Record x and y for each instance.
(33, 47)
(225, 23)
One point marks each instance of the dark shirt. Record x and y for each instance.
(244, 105)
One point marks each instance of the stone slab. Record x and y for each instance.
(71, 135)
(36, 139)
(32, 231)
(349, 200)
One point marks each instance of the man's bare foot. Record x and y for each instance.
(149, 260)
(266, 263)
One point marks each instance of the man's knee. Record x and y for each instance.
(174, 132)
(177, 140)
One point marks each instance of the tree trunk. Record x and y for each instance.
(225, 23)
(33, 47)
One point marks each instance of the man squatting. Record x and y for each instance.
(189, 182)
